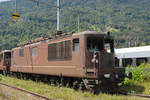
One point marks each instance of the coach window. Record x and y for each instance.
(141, 60)
(116, 62)
(21, 53)
(34, 51)
(126, 62)
(76, 45)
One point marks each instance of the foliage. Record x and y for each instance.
(0, 77)
(139, 74)
(129, 69)
(129, 20)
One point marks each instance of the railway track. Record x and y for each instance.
(46, 98)
(137, 95)
(28, 92)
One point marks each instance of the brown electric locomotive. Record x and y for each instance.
(84, 57)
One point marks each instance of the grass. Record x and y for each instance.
(64, 93)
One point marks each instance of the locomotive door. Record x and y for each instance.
(94, 46)
(7, 60)
(34, 53)
(92, 63)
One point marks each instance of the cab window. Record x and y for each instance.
(96, 44)
(76, 47)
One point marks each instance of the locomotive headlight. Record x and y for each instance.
(107, 75)
(116, 76)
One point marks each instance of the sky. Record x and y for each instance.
(3, 0)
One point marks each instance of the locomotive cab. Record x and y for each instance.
(100, 59)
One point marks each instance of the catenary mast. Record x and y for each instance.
(58, 15)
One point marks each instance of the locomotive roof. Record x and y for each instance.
(62, 36)
(91, 32)
(133, 52)
(5, 51)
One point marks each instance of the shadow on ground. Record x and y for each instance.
(138, 89)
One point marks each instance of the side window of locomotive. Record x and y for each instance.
(60, 51)
(76, 46)
(67, 49)
(52, 53)
(63, 50)
(95, 44)
(21, 52)
(34, 51)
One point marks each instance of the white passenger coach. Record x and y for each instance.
(132, 56)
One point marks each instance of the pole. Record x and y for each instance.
(58, 15)
(129, 44)
(15, 5)
(78, 23)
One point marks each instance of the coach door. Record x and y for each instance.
(7, 59)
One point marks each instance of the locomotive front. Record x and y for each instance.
(100, 60)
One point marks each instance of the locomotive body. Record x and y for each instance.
(51, 57)
(87, 56)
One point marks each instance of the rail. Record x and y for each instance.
(137, 95)
(46, 98)
(26, 91)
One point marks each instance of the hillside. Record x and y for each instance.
(128, 19)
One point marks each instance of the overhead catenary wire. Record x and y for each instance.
(58, 10)
(39, 3)
(42, 3)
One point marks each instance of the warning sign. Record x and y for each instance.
(16, 15)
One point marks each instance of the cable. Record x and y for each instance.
(43, 3)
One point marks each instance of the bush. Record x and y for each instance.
(0, 77)
(129, 69)
(139, 74)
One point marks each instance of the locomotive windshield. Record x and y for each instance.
(100, 44)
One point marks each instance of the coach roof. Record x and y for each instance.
(133, 52)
